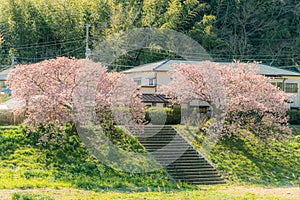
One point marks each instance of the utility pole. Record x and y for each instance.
(13, 60)
(87, 49)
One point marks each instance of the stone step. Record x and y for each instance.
(199, 179)
(211, 182)
(196, 176)
(181, 162)
(194, 173)
(158, 134)
(157, 138)
(183, 170)
(174, 140)
(172, 156)
(177, 156)
(174, 150)
(169, 147)
(204, 167)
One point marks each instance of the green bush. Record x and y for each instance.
(167, 116)
(20, 196)
(294, 117)
(174, 116)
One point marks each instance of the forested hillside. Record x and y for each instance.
(261, 30)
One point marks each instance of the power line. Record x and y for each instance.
(47, 44)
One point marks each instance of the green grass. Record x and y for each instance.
(23, 164)
(69, 168)
(248, 160)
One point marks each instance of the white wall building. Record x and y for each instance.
(153, 75)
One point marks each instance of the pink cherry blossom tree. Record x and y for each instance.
(47, 91)
(252, 102)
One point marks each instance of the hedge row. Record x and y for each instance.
(294, 117)
(163, 115)
(172, 116)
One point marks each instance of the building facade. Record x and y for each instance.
(152, 76)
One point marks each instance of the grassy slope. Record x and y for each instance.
(26, 165)
(250, 161)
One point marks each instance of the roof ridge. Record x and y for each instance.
(166, 61)
(278, 68)
(5, 68)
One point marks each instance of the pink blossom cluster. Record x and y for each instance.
(253, 103)
(47, 90)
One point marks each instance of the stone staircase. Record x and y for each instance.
(182, 162)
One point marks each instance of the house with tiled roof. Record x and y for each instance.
(153, 75)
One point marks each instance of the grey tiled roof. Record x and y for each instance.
(156, 98)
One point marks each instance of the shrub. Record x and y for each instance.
(294, 116)
(168, 116)
(20, 196)
(173, 116)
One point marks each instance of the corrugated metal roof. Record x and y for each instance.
(145, 68)
(167, 65)
(268, 70)
(4, 73)
(156, 98)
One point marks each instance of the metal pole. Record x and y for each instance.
(87, 49)
(13, 60)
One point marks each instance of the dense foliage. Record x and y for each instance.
(294, 117)
(262, 30)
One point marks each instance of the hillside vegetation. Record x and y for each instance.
(248, 160)
(261, 30)
(24, 164)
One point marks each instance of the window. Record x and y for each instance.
(3, 85)
(203, 109)
(138, 81)
(291, 87)
(154, 104)
(151, 81)
(278, 84)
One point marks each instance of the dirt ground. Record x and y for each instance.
(285, 192)
(69, 193)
